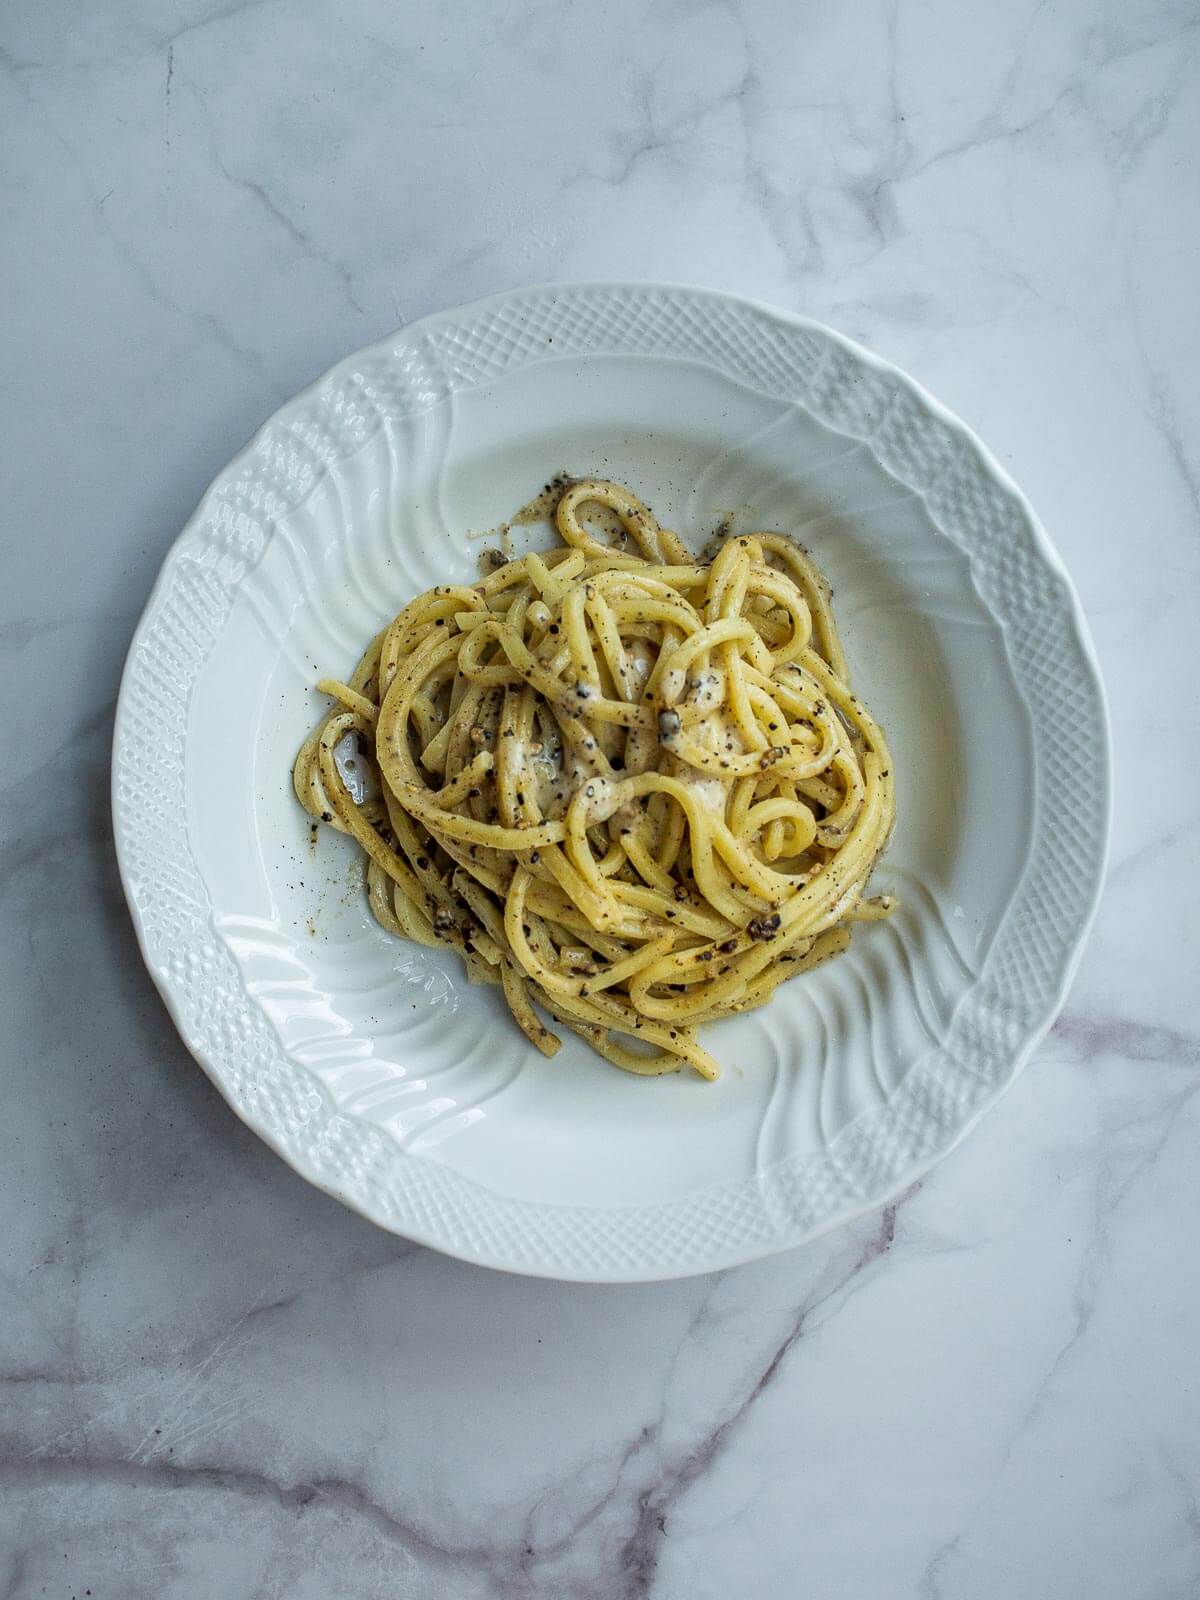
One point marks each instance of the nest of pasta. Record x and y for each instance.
(630, 787)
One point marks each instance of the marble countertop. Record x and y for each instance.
(215, 1381)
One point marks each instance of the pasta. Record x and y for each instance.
(630, 787)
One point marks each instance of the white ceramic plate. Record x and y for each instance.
(368, 1063)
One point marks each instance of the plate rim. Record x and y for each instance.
(292, 1151)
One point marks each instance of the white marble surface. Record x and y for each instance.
(215, 1381)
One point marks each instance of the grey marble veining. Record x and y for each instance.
(216, 1381)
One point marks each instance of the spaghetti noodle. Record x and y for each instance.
(630, 787)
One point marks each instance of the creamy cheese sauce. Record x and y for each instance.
(712, 793)
(358, 775)
(641, 662)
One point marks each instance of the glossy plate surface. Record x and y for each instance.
(370, 1064)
